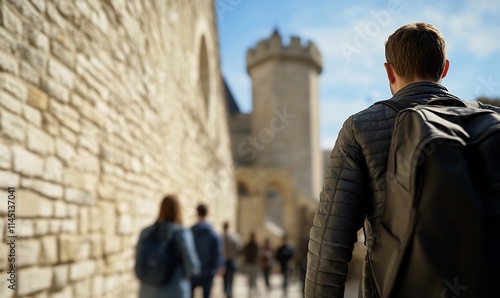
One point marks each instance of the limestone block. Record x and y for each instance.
(55, 226)
(65, 55)
(9, 64)
(12, 126)
(50, 124)
(49, 250)
(39, 5)
(5, 157)
(28, 74)
(61, 73)
(39, 40)
(87, 110)
(125, 225)
(10, 103)
(33, 279)
(81, 289)
(78, 196)
(68, 247)
(64, 150)
(106, 190)
(61, 276)
(64, 293)
(72, 210)
(68, 135)
(31, 204)
(108, 218)
(25, 227)
(90, 140)
(56, 90)
(69, 226)
(123, 208)
(96, 245)
(97, 286)
(41, 227)
(53, 169)
(95, 219)
(118, 263)
(28, 251)
(8, 179)
(55, 16)
(32, 115)
(11, 21)
(66, 115)
(60, 209)
(46, 208)
(84, 221)
(79, 179)
(30, 13)
(37, 98)
(28, 203)
(35, 58)
(5, 292)
(112, 244)
(14, 86)
(27, 163)
(45, 188)
(82, 270)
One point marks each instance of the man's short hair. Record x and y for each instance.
(202, 210)
(417, 50)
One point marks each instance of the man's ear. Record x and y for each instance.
(390, 73)
(445, 69)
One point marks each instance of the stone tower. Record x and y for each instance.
(284, 125)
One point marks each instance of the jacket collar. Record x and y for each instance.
(422, 88)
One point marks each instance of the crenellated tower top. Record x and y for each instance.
(273, 48)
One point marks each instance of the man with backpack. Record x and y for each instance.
(209, 249)
(415, 246)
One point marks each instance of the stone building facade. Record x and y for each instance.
(105, 106)
(276, 146)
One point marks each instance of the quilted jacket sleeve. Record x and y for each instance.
(340, 215)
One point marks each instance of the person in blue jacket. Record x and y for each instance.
(209, 249)
(179, 285)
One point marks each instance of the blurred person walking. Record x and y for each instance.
(231, 245)
(284, 254)
(169, 222)
(251, 263)
(266, 261)
(209, 248)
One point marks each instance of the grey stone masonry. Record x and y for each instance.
(105, 107)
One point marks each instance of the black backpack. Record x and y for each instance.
(157, 255)
(439, 234)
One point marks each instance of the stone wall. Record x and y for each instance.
(105, 106)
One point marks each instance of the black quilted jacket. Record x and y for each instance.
(354, 192)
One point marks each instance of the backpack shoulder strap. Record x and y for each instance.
(392, 104)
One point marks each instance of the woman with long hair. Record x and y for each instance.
(169, 222)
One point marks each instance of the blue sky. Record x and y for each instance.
(352, 80)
